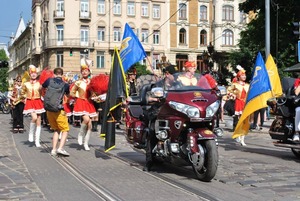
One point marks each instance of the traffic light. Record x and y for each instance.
(3, 64)
(297, 28)
(71, 52)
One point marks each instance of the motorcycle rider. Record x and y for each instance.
(297, 112)
(151, 138)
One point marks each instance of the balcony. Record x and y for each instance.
(59, 15)
(67, 43)
(84, 15)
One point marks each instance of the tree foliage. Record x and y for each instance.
(3, 72)
(282, 40)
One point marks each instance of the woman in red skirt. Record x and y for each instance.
(239, 90)
(83, 106)
(31, 91)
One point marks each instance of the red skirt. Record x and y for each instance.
(67, 109)
(84, 107)
(239, 106)
(34, 106)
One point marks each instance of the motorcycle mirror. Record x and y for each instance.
(222, 90)
(157, 92)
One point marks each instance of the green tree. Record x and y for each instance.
(3, 72)
(283, 50)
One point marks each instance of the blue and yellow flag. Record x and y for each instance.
(116, 92)
(274, 77)
(257, 96)
(131, 50)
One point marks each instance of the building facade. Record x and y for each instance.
(64, 31)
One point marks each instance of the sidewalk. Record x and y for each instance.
(15, 180)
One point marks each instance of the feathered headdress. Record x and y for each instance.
(85, 64)
(241, 70)
(32, 69)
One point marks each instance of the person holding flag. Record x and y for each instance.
(260, 91)
(239, 91)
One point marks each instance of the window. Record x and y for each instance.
(59, 59)
(60, 8)
(203, 38)
(227, 38)
(145, 34)
(203, 13)
(100, 59)
(182, 36)
(117, 34)
(60, 34)
(156, 37)
(145, 10)
(84, 36)
(156, 11)
(243, 18)
(101, 34)
(101, 7)
(84, 8)
(117, 7)
(182, 11)
(227, 14)
(130, 8)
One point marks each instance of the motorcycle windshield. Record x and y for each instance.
(183, 82)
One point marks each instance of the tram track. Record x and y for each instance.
(101, 192)
(104, 194)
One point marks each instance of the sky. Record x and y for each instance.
(10, 13)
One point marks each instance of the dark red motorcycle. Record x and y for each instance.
(181, 121)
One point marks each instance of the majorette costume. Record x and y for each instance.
(240, 89)
(31, 90)
(83, 105)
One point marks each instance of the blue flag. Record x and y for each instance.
(260, 82)
(257, 96)
(131, 50)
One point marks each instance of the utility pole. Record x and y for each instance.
(267, 24)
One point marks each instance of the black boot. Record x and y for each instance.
(94, 126)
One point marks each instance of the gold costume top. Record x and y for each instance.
(31, 90)
(79, 90)
(186, 81)
(16, 95)
(237, 88)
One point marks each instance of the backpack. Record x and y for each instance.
(53, 99)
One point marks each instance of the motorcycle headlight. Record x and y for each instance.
(190, 111)
(212, 109)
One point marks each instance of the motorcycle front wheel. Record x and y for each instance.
(296, 152)
(208, 170)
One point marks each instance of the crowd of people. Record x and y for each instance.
(82, 104)
(79, 106)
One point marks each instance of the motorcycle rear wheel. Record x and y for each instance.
(296, 152)
(209, 169)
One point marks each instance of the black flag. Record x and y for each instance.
(116, 92)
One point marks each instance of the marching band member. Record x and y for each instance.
(31, 90)
(83, 107)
